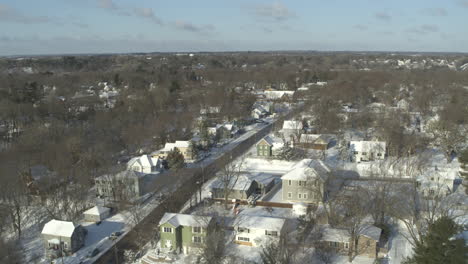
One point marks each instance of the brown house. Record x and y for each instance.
(315, 141)
(340, 240)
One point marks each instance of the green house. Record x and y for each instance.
(269, 146)
(184, 233)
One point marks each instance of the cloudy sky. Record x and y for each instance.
(103, 26)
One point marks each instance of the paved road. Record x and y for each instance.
(184, 182)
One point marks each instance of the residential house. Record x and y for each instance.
(226, 131)
(62, 238)
(145, 164)
(436, 183)
(316, 141)
(185, 147)
(260, 111)
(306, 182)
(184, 233)
(292, 130)
(269, 146)
(257, 231)
(367, 150)
(127, 185)
(340, 239)
(96, 214)
(278, 95)
(239, 187)
(263, 181)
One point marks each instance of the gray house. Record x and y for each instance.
(240, 187)
(97, 213)
(306, 182)
(125, 185)
(62, 238)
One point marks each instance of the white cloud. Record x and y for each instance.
(274, 12)
(187, 26)
(148, 13)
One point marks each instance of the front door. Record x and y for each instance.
(169, 243)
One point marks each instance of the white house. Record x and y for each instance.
(277, 95)
(145, 164)
(97, 213)
(367, 150)
(257, 231)
(292, 129)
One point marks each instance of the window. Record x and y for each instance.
(271, 233)
(302, 183)
(346, 245)
(246, 239)
(305, 195)
(196, 239)
(289, 182)
(289, 195)
(368, 243)
(65, 245)
(167, 230)
(299, 195)
(196, 229)
(355, 152)
(243, 230)
(379, 154)
(364, 153)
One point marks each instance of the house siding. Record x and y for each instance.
(295, 190)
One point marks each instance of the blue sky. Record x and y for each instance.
(103, 26)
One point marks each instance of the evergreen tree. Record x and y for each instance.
(438, 245)
(175, 159)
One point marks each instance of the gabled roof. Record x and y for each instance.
(260, 222)
(59, 228)
(97, 210)
(371, 231)
(307, 169)
(275, 142)
(292, 124)
(177, 220)
(364, 146)
(312, 138)
(335, 235)
(241, 183)
(143, 161)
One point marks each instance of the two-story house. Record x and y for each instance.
(257, 231)
(184, 233)
(125, 185)
(185, 147)
(269, 146)
(145, 164)
(306, 182)
(62, 238)
(367, 150)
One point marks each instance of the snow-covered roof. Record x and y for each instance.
(177, 220)
(371, 231)
(143, 161)
(292, 124)
(97, 210)
(59, 228)
(311, 138)
(273, 141)
(259, 222)
(307, 169)
(241, 182)
(177, 144)
(335, 234)
(277, 94)
(260, 177)
(365, 146)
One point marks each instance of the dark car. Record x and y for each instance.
(93, 253)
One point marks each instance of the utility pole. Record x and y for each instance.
(116, 254)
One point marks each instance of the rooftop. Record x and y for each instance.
(177, 220)
(59, 228)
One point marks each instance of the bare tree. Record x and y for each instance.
(279, 252)
(228, 177)
(214, 246)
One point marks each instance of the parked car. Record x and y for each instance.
(116, 234)
(93, 253)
